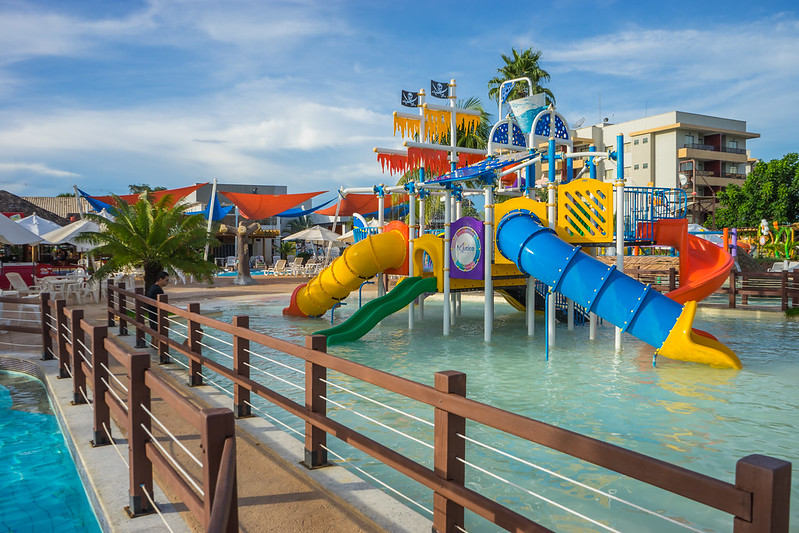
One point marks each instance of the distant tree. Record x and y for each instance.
(151, 236)
(521, 65)
(143, 187)
(285, 248)
(771, 192)
(65, 195)
(299, 224)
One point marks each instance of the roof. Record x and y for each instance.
(62, 206)
(696, 127)
(11, 203)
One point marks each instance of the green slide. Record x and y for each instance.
(368, 316)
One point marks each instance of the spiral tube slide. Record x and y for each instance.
(629, 304)
(359, 262)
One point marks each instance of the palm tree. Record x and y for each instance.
(299, 224)
(521, 65)
(152, 236)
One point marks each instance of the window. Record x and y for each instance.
(646, 165)
(689, 139)
(646, 140)
(635, 167)
(732, 144)
(635, 142)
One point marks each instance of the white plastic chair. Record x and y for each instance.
(18, 284)
(278, 269)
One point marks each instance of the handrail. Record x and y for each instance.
(225, 487)
(707, 490)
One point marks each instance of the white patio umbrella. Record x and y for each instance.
(67, 234)
(37, 224)
(317, 234)
(13, 233)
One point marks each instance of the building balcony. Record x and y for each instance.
(709, 179)
(712, 154)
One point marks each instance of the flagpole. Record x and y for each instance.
(210, 217)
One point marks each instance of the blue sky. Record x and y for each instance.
(104, 93)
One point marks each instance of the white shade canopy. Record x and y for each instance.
(67, 234)
(317, 234)
(13, 233)
(37, 224)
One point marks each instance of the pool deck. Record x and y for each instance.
(275, 492)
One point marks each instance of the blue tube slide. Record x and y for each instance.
(626, 303)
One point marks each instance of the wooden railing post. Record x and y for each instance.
(110, 302)
(123, 311)
(733, 275)
(315, 393)
(795, 289)
(672, 279)
(218, 426)
(241, 367)
(102, 415)
(141, 469)
(195, 336)
(139, 317)
(61, 338)
(78, 377)
(769, 481)
(745, 287)
(447, 515)
(784, 290)
(163, 329)
(47, 340)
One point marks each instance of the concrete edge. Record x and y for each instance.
(105, 477)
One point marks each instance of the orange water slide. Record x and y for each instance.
(703, 265)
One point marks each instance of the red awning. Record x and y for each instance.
(177, 195)
(356, 203)
(258, 206)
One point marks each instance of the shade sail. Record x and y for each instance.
(13, 233)
(216, 210)
(37, 224)
(297, 212)
(177, 195)
(67, 234)
(356, 203)
(258, 206)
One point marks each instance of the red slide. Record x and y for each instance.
(703, 265)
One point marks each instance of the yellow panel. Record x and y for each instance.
(585, 211)
(500, 210)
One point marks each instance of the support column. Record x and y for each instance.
(411, 236)
(619, 217)
(381, 206)
(551, 215)
(447, 237)
(488, 237)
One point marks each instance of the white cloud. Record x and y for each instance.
(40, 169)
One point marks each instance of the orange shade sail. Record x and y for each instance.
(177, 195)
(356, 203)
(258, 206)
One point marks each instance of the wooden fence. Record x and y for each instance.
(122, 386)
(782, 286)
(758, 500)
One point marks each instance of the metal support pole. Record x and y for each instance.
(551, 214)
(530, 310)
(447, 237)
(381, 205)
(488, 314)
(619, 217)
(411, 237)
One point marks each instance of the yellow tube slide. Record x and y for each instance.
(358, 263)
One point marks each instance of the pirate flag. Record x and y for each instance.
(439, 89)
(409, 99)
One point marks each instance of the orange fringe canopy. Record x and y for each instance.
(177, 195)
(437, 161)
(356, 203)
(258, 206)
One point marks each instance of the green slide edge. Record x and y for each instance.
(370, 314)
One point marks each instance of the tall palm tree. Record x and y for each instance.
(299, 224)
(152, 236)
(521, 65)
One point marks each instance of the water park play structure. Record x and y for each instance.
(532, 240)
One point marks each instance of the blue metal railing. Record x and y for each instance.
(643, 206)
(360, 234)
(561, 304)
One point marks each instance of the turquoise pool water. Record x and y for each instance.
(41, 490)
(702, 418)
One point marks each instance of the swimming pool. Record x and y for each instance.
(41, 487)
(702, 418)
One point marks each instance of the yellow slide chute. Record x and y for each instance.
(358, 263)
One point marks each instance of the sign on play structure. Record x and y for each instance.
(466, 249)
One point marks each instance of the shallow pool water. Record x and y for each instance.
(698, 417)
(41, 487)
